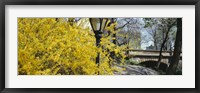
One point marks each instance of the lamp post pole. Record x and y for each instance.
(98, 35)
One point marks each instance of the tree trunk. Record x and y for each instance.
(114, 35)
(155, 44)
(177, 49)
(112, 54)
(160, 55)
(114, 41)
(162, 46)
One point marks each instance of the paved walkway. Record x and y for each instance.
(137, 70)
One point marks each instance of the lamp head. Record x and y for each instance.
(98, 24)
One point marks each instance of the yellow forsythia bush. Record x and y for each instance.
(53, 46)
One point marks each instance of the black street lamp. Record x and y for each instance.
(98, 25)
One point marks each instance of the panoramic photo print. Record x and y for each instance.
(99, 46)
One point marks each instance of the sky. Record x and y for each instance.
(145, 34)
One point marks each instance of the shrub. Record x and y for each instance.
(47, 46)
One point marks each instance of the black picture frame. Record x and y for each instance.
(3, 3)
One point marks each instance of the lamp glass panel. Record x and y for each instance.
(104, 21)
(95, 22)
